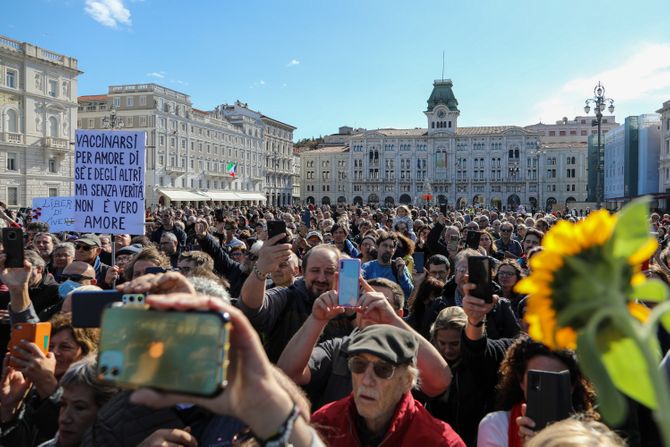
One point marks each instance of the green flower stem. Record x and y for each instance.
(642, 336)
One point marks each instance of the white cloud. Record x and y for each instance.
(643, 76)
(156, 74)
(109, 13)
(293, 63)
(261, 82)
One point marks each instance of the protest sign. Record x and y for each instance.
(109, 182)
(58, 212)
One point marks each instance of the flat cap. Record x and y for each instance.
(395, 345)
(90, 239)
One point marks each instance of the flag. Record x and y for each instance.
(231, 168)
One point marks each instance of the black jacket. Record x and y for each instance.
(471, 394)
(181, 236)
(224, 264)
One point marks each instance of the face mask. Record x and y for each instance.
(67, 287)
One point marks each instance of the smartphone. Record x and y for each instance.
(218, 215)
(479, 272)
(306, 218)
(348, 282)
(38, 333)
(276, 227)
(12, 241)
(87, 307)
(419, 261)
(443, 209)
(472, 239)
(182, 352)
(549, 397)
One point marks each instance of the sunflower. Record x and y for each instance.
(574, 274)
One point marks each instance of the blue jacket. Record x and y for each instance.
(374, 269)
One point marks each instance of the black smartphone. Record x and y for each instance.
(218, 215)
(443, 209)
(87, 306)
(276, 227)
(479, 272)
(472, 239)
(183, 352)
(549, 397)
(12, 241)
(306, 217)
(419, 261)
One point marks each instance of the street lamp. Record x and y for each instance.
(113, 121)
(599, 102)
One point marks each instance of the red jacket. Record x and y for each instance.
(412, 425)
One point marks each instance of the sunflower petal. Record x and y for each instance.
(644, 253)
(639, 311)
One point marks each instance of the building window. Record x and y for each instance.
(52, 166)
(116, 102)
(12, 164)
(552, 133)
(143, 100)
(53, 127)
(53, 88)
(129, 101)
(12, 195)
(91, 123)
(53, 192)
(10, 79)
(12, 121)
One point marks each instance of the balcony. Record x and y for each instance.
(12, 138)
(175, 170)
(56, 144)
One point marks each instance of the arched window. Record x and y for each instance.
(516, 153)
(53, 127)
(12, 121)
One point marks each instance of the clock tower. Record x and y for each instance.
(442, 110)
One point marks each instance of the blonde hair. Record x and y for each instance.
(574, 432)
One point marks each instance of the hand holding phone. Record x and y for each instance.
(549, 397)
(472, 239)
(38, 333)
(12, 242)
(348, 287)
(276, 227)
(479, 273)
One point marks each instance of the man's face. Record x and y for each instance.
(106, 244)
(186, 266)
(121, 240)
(320, 272)
(376, 398)
(531, 241)
(167, 218)
(168, 246)
(505, 232)
(339, 235)
(44, 245)
(461, 271)
(448, 342)
(286, 273)
(439, 271)
(385, 251)
(62, 258)
(85, 253)
(80, 272)
(122, 260)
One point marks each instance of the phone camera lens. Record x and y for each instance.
(104, 369)
(115, 371)
(131, 299)
(11, 236)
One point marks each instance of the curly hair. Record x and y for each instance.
(514, 366)
(87, 338)
(150, 254)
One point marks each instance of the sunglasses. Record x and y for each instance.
(383, 370)
(252, 257)
(74, 277)
(84, 247)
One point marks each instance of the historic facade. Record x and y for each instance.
(664, 158)
(38, 106)
(220, 156)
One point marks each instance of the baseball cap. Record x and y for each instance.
(90, 239)
(395, 345)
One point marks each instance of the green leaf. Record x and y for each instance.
(612, 405)
(665, 321)
(631, 231)
(626, 365)
(651, 290)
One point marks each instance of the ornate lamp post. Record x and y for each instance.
(599, 102)
(113, 121)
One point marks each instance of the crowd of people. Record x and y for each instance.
(419, 360)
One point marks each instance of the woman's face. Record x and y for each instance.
(62, 259)
(448, 342)
(507, 276)
(402, 212)
(542, 363)
(78, 411)
(65, 349)
(339, 235)
(485, 242)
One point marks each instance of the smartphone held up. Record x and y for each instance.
(348, 286)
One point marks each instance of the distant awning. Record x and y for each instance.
(181, 195)
(250, 196)
(223, 196)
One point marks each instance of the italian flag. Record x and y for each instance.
(230, 168)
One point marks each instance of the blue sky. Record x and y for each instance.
(321, 64)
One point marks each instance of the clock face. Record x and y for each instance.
(440, 114)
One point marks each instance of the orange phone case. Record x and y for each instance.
(38, 333)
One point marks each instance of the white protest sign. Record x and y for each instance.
(109, 182)
(58, 212)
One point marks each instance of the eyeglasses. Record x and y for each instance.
(383, 370)
(84, 247)
(76, 277)
(252, 257)
(505, 231)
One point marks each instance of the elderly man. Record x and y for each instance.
(506, 244)
(381, 408)
(87, 249)
(168, 224)
(170, 246)
(322, 367)
(62, 256)
(287, 272)
(44, 244)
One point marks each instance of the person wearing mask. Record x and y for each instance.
(381, 408)
(387, 267)
(87, 249)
